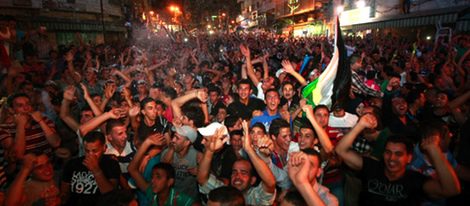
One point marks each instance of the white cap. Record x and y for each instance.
(210, 129)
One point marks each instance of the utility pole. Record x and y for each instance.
(102, 21)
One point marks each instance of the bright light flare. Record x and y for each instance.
(339, 9)
(361, 4)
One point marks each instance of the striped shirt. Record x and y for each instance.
(34, 136)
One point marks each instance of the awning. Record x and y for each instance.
(413, 20)
(84, 27)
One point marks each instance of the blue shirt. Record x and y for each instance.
(265, 119)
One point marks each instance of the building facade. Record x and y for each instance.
(97, 21)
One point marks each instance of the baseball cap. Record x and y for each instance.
(187, 132)
(210, 129)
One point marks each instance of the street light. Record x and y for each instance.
(176, 11)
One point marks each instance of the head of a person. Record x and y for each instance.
(272, 100)
(244, 89)
(322, 115)
(221, 114)
(183, 137)
(168, 94)
(155, 91)
(293, 198)
(226, 196)
(94, 144)
(398, 153)
(308, 136)
(270, 82)
(148, 108)
(437, 131)
(280, 133)
(257, 131)
(86, 114)
(42, 170)
(441, 100)
(116, 132)
(288, 90)
(233, 122)
(399, 106)
(91, 74)
(214, 94)
(160, 107)
(315, 161)
(142, 87)
(20, 103)
(243, 176)
(338, 110)
(193, 116)
(163, 177)
(236, 139)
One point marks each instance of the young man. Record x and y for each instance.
(272, 109)
(403, 187)
(245, 105)
(226, 195)
(86, 178)
(182, 155)
(34, 133)
(40, 189)
(303, 168)
(160, 190)
(243, 177)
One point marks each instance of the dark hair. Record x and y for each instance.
(295, 198)
(145, 101)
(312, 152)
(433, 127)
(403, 140)
(213, 88)
(227, 196)
(236, 132)
(272, 90)
(305, 124)
(110, 124)
(231, 120)
(195, 114)
(168, 168)
(321, 106)
(169, 92)
(116, 198)
(276, 126)
(159, 102)
(94, 136)
(12, 98)
(243, 81)
(259, 125)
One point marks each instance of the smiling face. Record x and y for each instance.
(42, 170)
(241, 175)
(118, 137)
(272, 101)
(283, 139)
(396, 158)
(307, 138)
(288, 91)
(244, 91)
(399, 106)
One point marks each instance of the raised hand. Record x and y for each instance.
(287, 66)
(37, 116)
(245, 50)
(265, 145)
(109, 90)
(216, 141)
(69, 93)
(368, 121)
(29, 161)
(156, 139)
(308, 111)
(202, 95)
(86, 94)
(298, 168)
(116, 113)
(134, 111)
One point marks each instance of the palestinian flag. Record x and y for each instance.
(334, 84)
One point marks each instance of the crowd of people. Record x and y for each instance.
(220, 119)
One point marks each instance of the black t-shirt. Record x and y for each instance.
(161, 126)
(83, 187)
(378, 190)
(245, 111)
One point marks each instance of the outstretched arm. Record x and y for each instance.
(289, 69)
(133, 168)
(350, 157)
(249, 67)
(446, 184)
(322, 135)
